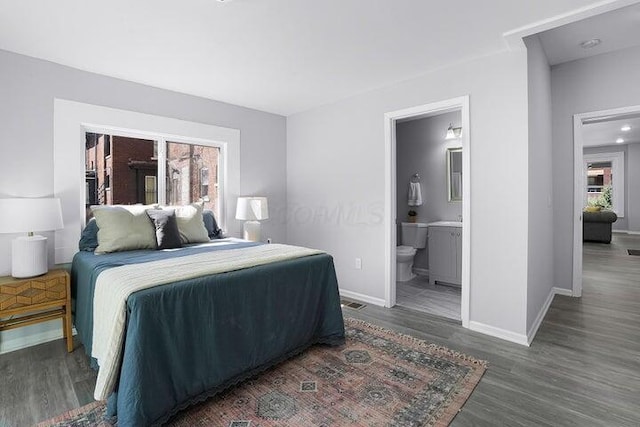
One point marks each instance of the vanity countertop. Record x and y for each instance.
(445, 224)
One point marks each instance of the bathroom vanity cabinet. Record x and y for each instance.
(445, 252)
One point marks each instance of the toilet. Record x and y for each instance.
(413, 236)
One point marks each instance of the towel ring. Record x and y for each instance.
(415, 177)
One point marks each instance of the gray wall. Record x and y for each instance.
(28, 87)
(540, 247)
(598, 83)
(631, 219)
(421, 148)
(336, 163)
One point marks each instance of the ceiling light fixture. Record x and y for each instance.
(619, 141)
(625, 128)
(588, 44)
(453, 133)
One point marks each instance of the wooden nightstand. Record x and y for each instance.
(37, 299)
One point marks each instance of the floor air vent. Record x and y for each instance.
(634, 252)
(352, 304)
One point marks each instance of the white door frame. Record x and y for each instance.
(455, 104)
(578, 185)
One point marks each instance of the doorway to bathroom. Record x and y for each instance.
(427, 204)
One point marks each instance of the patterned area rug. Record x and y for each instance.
(378, 378)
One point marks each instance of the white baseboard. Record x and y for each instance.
(533, 330)
(499, 333)
(7, 346)
(543, 311)
(421, 271)
(563, 291)
(362, 297)
(633, 233)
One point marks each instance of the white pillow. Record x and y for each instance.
(190, 223)
(124, 228)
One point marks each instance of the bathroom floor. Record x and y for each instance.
(439, 300)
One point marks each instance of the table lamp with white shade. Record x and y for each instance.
(27, 215)
(252, 210)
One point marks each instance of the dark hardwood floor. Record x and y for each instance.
(583, 368)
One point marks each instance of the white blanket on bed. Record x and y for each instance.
(113, 287)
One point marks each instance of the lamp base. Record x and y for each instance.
(29, 257)
(252, 231)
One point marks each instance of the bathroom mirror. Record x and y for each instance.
(454, 174)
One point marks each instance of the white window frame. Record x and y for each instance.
(617, 177)
(162, 141)
(71, 122)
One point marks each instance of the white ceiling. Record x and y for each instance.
(282, 56)
(606, 132)
(618, 29)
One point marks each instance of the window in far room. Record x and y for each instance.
(604, 184)
(204, 182)
(599, 184)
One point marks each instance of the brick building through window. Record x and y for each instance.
(124, 170)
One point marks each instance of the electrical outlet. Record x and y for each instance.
(358, 263)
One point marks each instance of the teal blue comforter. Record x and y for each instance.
(189, 340)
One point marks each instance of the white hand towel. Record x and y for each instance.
(415, 194)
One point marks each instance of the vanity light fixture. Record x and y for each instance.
(589, 44)
(619, 141)
(625, 128)
(453, 133)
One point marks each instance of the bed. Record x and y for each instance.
(190, 339)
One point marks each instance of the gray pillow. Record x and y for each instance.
(211, 225)
(123, 228)
(89, 238)
(167, 234)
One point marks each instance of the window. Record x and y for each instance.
(599, 184)
(604, 183)
(204, 183)
(107, 145)
(150, 190)
(134, 172)
(190, 170)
